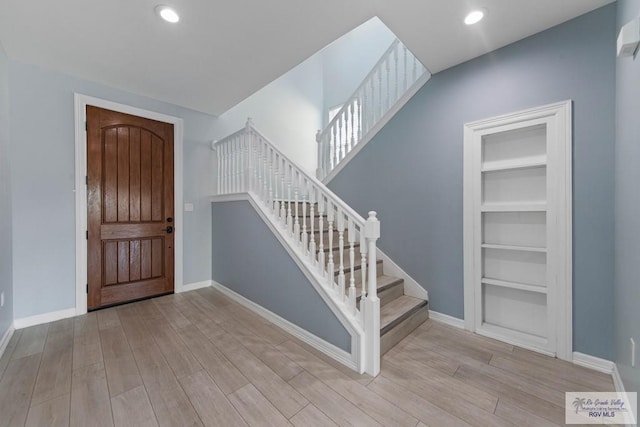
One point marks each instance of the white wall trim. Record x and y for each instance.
(379, 125)
(193, 286)
(411, 287)
(80, 102)
(446, 319)
(39, 319)
(595, 363)
(617, 380)
(319, 344)
(4, 341)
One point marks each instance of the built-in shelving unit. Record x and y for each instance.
(517, 176)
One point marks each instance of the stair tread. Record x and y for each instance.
(398, 308)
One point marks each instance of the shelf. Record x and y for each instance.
(514, 207)
(514, 248)
(514, 285)
(529, 162)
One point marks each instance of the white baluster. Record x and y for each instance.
(296, 224)
(388, 69)
(289, 217)
(334, 146)
(352, 143)
(321, 258)
(342, 133)
(283, 208)
(312, 201)
(351, 235)
(276, 183)
(243, 163)
(330, 265)
(363, 266)
(305, 200)
(341, 277)
(404, 68)
(395, 77)
(380, 98)
(270, 154)
(227, 174)
(265, 183)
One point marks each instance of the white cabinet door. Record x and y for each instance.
(517, 228)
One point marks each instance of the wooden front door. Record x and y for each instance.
(130, 208)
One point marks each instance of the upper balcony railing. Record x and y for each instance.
(388, 81)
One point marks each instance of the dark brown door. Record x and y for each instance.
(130, 207)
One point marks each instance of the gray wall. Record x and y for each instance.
(627, 207)
(6, 251)
(411, 172)
(250, 260)
(42, 180)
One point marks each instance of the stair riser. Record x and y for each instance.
(401, 330)
(389, 294)
(358, 273)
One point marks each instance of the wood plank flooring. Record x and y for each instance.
(200, 359)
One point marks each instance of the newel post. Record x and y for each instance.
(319, 170)
(371, 315)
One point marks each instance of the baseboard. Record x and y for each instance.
(411, 287)
(193, 286)
(4, 341)
(617, 380)
(446, 319)
(592, 362)
(39, 319)
(319, 344)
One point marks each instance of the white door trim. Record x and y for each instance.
(81, 101)
(559, 118)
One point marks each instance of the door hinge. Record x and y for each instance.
(86, 179)
(86, 126)
(87, 234)
(87, 288)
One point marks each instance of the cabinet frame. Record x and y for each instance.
(557, 118)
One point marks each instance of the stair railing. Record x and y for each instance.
(299, 204)
(394, 73)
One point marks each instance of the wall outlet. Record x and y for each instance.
(633, 352)
(2, 299)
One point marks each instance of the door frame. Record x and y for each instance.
(561, 117)
(80, 103)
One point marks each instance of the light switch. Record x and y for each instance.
(188, 207)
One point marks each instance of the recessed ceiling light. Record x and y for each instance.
(474, 17)
(167, 13)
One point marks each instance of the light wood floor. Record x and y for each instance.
(200, 359)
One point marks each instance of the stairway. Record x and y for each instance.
(400, 314)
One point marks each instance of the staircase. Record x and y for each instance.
(399, 313)
(333, 245)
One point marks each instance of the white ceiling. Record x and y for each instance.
(222, 51)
